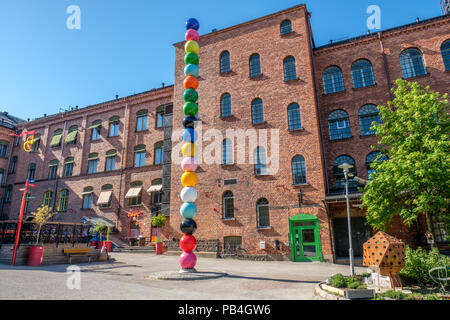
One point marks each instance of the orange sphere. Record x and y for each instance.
(191, 83)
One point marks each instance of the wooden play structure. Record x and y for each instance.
(385, 254)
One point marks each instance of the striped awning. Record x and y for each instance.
(133, 192)
(104, 198)
(155, 188)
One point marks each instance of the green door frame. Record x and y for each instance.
(316, 227)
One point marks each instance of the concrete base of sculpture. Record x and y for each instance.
(188, 270)
(188, 275)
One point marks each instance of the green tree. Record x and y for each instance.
(41, 217)
(414, 134)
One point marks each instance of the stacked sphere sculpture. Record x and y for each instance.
(188, 210)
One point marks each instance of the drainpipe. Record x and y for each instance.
(330, 223)
(386, 66)
(124, 147)
(55, 191)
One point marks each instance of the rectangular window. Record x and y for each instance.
(141, 124)
(159, 156)
(68, 169)
(47, 198)
(8, 194)
(160, 120)
(136, 201)
(92, 166)
(13, 167)
(52, 172)
(87, 201)
(110, 163)
(139, 159)
(95, 134)
(3, 150)
(114, 129)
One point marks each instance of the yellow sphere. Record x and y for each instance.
(189, 180)
(191, 46)
(189, 150)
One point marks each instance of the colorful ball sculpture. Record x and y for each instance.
(188, 195)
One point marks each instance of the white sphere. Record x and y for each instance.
(188, 194)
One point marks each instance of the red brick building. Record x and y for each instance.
(264, 74)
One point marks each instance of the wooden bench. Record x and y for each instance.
(79, 252)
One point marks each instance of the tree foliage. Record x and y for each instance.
(414, 134)
(41, 217)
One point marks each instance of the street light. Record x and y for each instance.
(346, 167)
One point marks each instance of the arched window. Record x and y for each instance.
(71, 137)
(445, 50)
(63, 200)
(134, 194)
(286, 27)
(111, 160)
(257, 111)
(4, 148)
(411, 61)
(225, 62)
(31, 171)
(294, 117)
(260, 161)
(87, 197)
(36, 142)
(225, 105)
(53, 169)
(227, 205)
(156, 195)
(227, 152)
(160, 116)
(332, 80)
(141, 120)
(339, 125)
(114, 124)
(371, 157)
(47, 199)
(68, 166)
(255, 65)
(368, 114)
(298, 170)
(92, 162)
(95, 127)
(362, 74)
(159, 152)
(262, 211)
(290, 72)
(139, 156)
(339, 176)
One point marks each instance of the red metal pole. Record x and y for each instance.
(19, 224)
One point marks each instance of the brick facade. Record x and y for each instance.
(318, 196)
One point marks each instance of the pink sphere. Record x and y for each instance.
(192, 34)
(189, 164)
(188, 260)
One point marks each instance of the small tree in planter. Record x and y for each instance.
(159, 221)
(99, 228)
(41, 217)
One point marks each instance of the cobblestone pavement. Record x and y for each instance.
(128, 277)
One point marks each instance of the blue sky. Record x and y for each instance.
(125, 47)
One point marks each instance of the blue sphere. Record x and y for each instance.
(188, 210)
(192, 24)
(189, 135)
(191, 70)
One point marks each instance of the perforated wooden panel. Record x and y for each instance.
(385, 252)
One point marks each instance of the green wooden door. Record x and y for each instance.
(305, 239)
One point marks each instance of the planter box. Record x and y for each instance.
(350, 293)
(334, 290)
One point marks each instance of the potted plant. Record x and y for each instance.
(41, 217)
(99, 228)
(159, 246)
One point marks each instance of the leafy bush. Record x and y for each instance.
(419, 262)
(366, 275)
(398, 295)
(338, 281)
(159, 221)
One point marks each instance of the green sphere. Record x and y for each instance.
(190, 95)
(190, 108)
(191, 58)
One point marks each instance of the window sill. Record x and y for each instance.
(226, 117)
(417, 77)
(340, 139)
(259, 124)
(367, 135)
(256, 77)
(85, 209)
(306, 184)
(284, 35)
(297, 130)
(228, 219)
(334, 93)
(291, 80)
(262, 175)
(227, 164)
(143, 131)
(264, 228)
(365, 87)
(135, 205)
(226, 73)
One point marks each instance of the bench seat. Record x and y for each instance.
(79, 252)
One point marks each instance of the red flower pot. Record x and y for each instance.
(106, 243)
(93, 244)
(36, 256)
(159, 248)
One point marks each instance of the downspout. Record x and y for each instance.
(386, 66)
(330, 224)
(316, 96)
(62, 165)
(124, 141)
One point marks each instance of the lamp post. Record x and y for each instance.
(346, 167)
